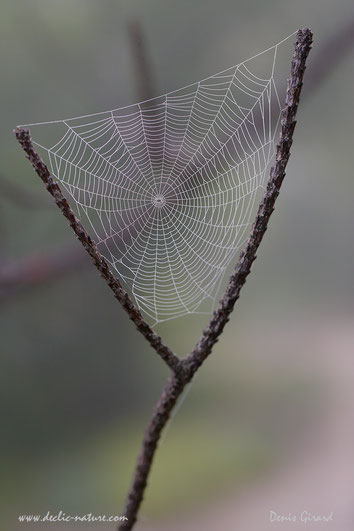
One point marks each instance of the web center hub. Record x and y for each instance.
(159, 200)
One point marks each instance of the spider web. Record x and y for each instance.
(167, 186)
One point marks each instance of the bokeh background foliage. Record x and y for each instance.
(77, 382)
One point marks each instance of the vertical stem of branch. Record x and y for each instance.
(152, 435)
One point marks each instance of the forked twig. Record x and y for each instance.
(184, 370)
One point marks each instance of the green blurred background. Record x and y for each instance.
(267, 424)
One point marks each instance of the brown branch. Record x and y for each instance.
(185, 370)
(221, 316)
(23, 136)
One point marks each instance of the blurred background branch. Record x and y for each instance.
(145, 79)
(37, 268)
(330, 55)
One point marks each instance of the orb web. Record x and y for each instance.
(166, 187)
